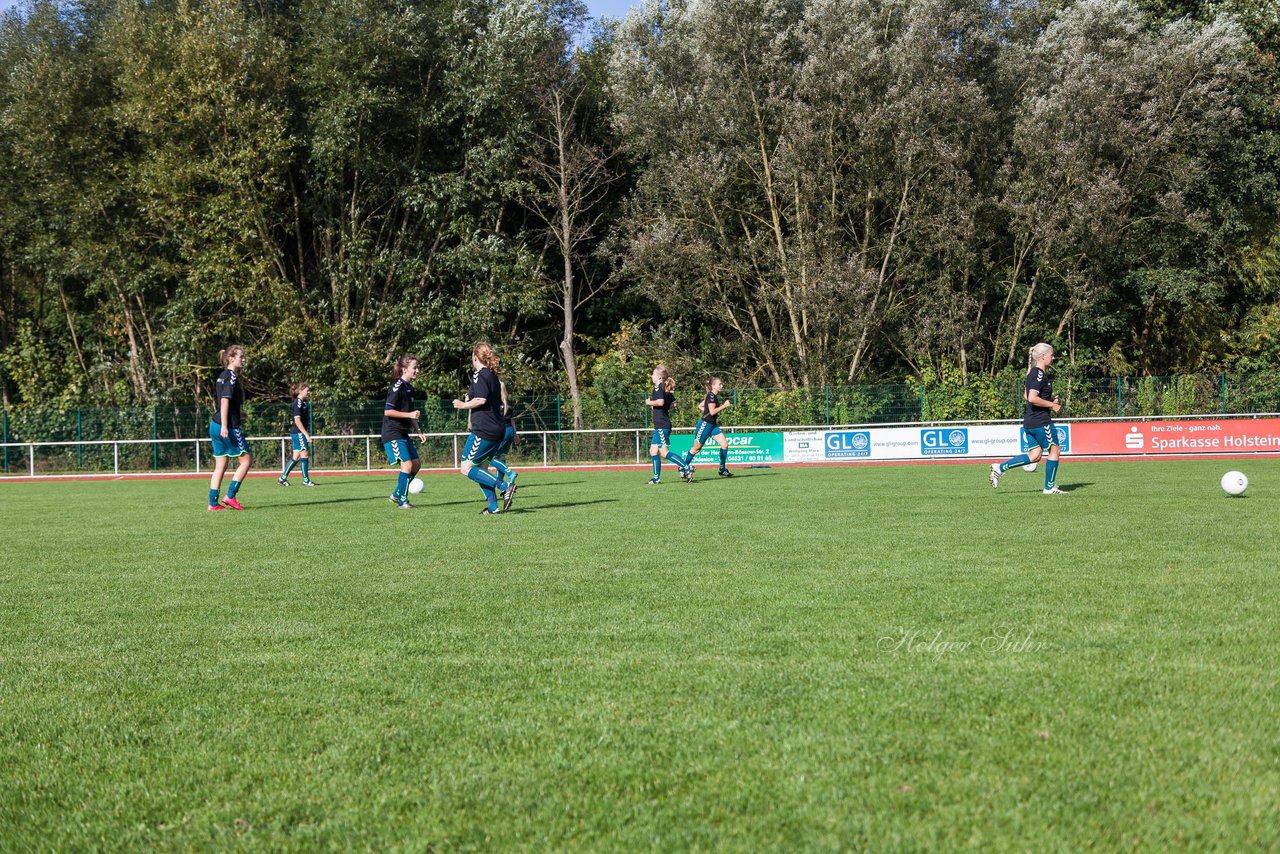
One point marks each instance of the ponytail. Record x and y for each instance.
(484, 354)
(669, 384)
(296, 388)
(232, 350)
(1037, 353)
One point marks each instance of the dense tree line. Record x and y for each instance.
(787, 192)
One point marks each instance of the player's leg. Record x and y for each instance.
(1051, 468)
(304, 460)
(724, 453)
(1031, 456)
(476, 453)
(242, 468)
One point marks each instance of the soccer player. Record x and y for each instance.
(661, 401)
(484, 402)
(225, 432)
(299, 435)
(1037, 422)
(709, 428)
(398, 417)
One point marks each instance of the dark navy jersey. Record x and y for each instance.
(399, 398)
(228, 388)
(707, 403)
(486, 421)
(301, 409)
(662, 414)
(1038, 416)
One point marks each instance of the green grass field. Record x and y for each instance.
(884, 658)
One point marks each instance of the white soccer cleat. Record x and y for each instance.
(995, 475)
(1055, 491)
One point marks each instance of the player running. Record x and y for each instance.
(299, 435)
(661, 401)
(484, 402)
(398, 416)
(225, 432)
(709, 428)
(1037, 422)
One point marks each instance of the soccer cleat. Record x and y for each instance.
(1055, 491)
(396, 499)
(725, 473)
(307, 483)
(487, 512)
(215, 507)
(508, 494)
(687, 475)
(232, 503)
(282, 481)
(995, 475)
(653, 481)
(405, 505)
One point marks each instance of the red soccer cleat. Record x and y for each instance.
(233, 503)
(215, 507)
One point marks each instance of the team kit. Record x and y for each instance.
(493, 432)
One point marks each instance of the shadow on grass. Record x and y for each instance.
(520, 509)
(1072, 487)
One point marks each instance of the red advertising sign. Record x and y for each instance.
(1216, 436)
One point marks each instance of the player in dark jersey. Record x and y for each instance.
(484, 402)
(225, 431)
(399, 417)
(299, 434)
(1037, 422)
(709, 428)
(660, 402)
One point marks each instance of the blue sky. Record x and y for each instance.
(598, 8)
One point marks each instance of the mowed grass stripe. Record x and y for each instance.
(891, 658)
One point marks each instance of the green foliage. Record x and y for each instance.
(799, 195)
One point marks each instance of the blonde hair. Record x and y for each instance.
(232, 350)
(485, 355)
(1037, 353)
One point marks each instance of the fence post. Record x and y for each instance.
(197, 444)
(368, 455)
(115, 453)
(1224, 393)
(922, 398)
(559, 433)
(79, 439)
(544, 449)
(6, 441)
(155, 434)
(638, 447)
(826, 390)
(31, 458)
(1120, 396)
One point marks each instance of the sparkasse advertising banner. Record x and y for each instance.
(1216, 436)
(744, 448)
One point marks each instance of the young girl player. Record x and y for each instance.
(225, 431)
(1037, 422)
(484, 401)
(299, 435)
(398, 417)
(660, 401)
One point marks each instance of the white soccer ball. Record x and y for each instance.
(1029, 467)
(416, 485)
(1234, 483)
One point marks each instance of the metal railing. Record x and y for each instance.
(363, 452)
